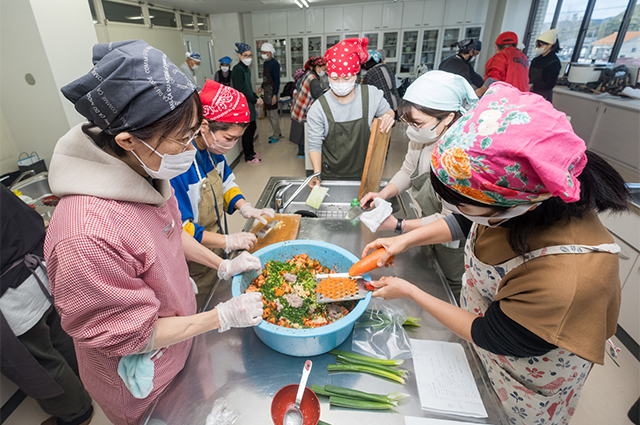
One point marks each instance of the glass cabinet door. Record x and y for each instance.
(257, 59)
(332, 40)
(373, 40)
(429, 49)
(409, 50)
(473, 32)
(280, 44)
(297, 53)
(347, 36)
(451, 36)
(315, 46)
(390, 46)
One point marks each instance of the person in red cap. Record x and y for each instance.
(206, 192)
(509, 64)
(339, 123)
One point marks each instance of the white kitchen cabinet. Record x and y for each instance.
(392, 16)
(583, 112)
(628, 257)
(433, 14)
(629, 318)
(372, 17)
(296, 22)
(476, 11)
(352, 18)
(409, 53)
(278, 23)
(314, 21)
(260, 24)
(454, 12)
(333, 17)
(615, 137)
(412, 14)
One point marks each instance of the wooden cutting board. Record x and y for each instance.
(285, 230)
(376, 153)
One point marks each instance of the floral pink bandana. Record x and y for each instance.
(512, 148)
(344, 59)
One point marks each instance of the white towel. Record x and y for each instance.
(374, 218)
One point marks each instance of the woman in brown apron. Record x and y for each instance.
(207, 191)
(429, 107)
(541, 293)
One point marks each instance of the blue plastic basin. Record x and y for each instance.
(304, 342)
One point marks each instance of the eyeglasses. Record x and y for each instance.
(418, 126)
(185, 145)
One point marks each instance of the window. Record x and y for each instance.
(629, 54)
(542, 22)
(93, 12)
(603, 30)
(569, 22)
(119, 12)
(162, 18)
(203, 23)
(187, 21)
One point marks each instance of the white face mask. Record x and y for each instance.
(224, 68)
(342, 89)
(264, 56)
(501, 218)
(322, 73)
(540, 50)
(424, 136)
(194, 67)
(220, 147)
(247, 61)
(170, 165)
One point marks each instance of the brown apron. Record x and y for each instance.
(211, 197)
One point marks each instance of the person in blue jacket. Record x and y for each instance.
(207, 190)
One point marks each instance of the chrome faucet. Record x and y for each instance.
(21, 177)
(298, 190)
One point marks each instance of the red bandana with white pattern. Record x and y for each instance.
(223, 104)
(344, 59)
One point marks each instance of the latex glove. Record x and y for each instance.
(240, 264)
(242, 240)
(240, 312)
(247, 211)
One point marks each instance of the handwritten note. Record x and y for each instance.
(445, 380)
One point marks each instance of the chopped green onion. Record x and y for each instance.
(346, 360)
(359, 404)
(369, 360)
(348, 392)
(365, 369)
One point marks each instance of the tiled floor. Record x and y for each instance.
(608, 392)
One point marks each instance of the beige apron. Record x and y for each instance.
(208, 218)
(541, 390)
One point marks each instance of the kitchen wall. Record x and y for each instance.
(55, 50)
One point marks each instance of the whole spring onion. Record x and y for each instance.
(365, 369)
(352, 403)
(367, 359)
(319, 390)
(412, 321)
(346, 360)
(351, 393)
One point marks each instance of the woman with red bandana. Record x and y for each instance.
(541, 293)
(339, 123)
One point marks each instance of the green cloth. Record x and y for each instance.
(241, 81)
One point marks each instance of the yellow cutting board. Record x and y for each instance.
(285, 230)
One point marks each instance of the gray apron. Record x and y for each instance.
(450, 260)
(344, 150)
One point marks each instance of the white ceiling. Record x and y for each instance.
(243, 6)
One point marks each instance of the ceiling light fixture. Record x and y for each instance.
(298, 4)
(306, 4)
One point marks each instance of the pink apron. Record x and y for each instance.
(532, 390)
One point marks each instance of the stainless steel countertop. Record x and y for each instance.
(237, 366)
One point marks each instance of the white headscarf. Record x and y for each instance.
(442, 91)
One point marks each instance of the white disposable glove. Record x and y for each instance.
(242, 263)
(240, 312)
(242, 240)
(247, 211)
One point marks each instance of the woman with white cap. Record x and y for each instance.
(430, 106)
(545, 67)
(116, 253)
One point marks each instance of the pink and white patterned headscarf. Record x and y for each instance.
(512, 148)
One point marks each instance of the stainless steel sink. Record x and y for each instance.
(35, 187)
(335, 205)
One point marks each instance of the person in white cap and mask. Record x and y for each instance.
(429, 107)
(190, 65)
(545, 67)
(271, 87)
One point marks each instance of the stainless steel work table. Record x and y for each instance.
(237, 366)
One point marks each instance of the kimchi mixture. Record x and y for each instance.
(289, 294)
